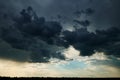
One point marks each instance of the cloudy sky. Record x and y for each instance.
(60, 38)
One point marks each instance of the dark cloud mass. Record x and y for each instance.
(83, 23)
(24, 29)
(103, 41)
(7, 52)
(33, 34)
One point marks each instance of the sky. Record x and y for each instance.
(60, 38)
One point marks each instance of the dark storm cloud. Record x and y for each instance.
(40, 36)
(85, 23)
(106, 11)
(46, 8)
(32, 33)
(106, 14)
(87, 11)
(7, 52)
(103, 41)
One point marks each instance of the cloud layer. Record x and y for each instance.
(44, 37)
(79, 67)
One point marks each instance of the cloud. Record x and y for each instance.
(91, 66)
(29, 33)
(9, 53)
(73, 68)
(87, 43)
(111, 61)
(34, 34)
(85, 23)
(40, 47)
(71, 53)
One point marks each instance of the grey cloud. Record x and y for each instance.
(36, 36)
(7, 52)
(103, 41)
(113, 62)
(27, 36)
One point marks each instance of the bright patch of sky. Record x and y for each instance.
(75, 66)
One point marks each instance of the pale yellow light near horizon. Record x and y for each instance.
(17, 69)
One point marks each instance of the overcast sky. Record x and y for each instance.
(106, 12)
(36, 49)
